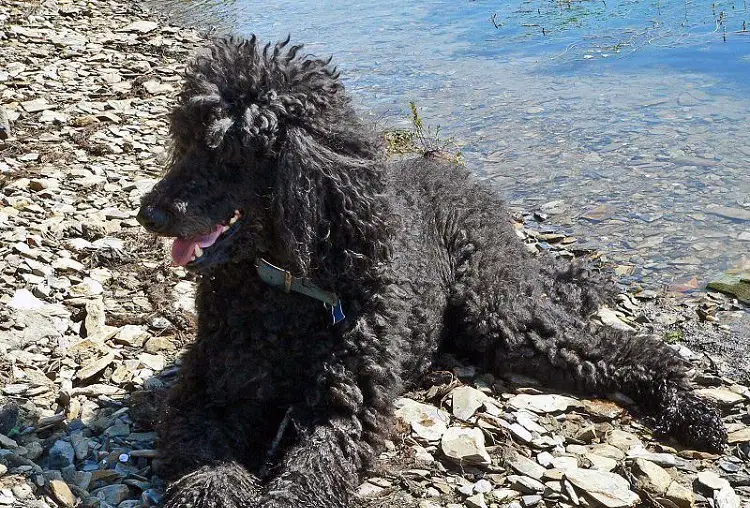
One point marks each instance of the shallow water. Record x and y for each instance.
(627, 123)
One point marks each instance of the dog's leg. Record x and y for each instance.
(514, 319)
(220, 485)
(204, 449)
(320, 471)
(200, 458)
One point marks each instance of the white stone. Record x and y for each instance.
(549, 403)
(428, 422)
(466, 401)
(465, 446)
(608, 489)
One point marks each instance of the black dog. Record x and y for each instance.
(283, 200)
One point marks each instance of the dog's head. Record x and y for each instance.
(266, 151)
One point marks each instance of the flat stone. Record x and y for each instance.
(729, 212)
(527, 467)
(680, 495)
(476, 501)
(726, 498)
(112, 494)
(140, 27)
(602, 408)
(61, 454)
(610, 318)
(482, 486)
(564, 463)
(736, 286)
(712, 480)
(368, 489)
(652, 477)
(525, 484)
(131, 335)
(721, 396)
(608, 489)
(428, 422)
(154, 362)
(61, 492)
(466, 401)
(503, 495)
(548, 403)
(601, 463)
(662, 459)
(92, 369)
(623, 440)
(739, 436)
(465, 446)
(607, 450)
(545, 459)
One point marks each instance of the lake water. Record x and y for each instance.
(624, 122)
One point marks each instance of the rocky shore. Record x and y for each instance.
(93, 319)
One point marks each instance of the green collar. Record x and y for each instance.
(284, 280)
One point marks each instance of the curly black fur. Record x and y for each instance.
(423, 257)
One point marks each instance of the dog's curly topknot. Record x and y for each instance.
(250, 91)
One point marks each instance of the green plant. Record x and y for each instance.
(674, 336)
(421, 139)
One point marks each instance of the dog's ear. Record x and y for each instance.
(329, 209)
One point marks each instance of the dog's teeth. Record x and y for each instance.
(225, 229)
(198, 251)
(233, 220)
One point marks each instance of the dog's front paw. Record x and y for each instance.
(226, 485)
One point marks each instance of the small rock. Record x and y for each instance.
(156, 344)
(726, 498)
(368, 489)
(476, 501)
(154, 362)
(721, 396)
(610, 318)
(712, 480)
(680, 495)
(112, 494)
(503, 495)
(602, 408)
(465, 446)
(608, 489)
(61, 455)
(527, 467)
(428, 422)
(482, 486)
(563, 463)
(550, 403)
(466, 400)
(61, 492)
(662, 459)
(601, 463)
(545, 459)
(623, 440)
(92, 369)
(652, 477)
(531, 500)
(525, 484)
(739, 436)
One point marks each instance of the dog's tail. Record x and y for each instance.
(603, 360)
(541, 327)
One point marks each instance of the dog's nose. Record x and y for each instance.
(152, 218)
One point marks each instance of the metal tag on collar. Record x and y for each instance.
(337, 312)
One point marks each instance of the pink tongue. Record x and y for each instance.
(183, 248)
